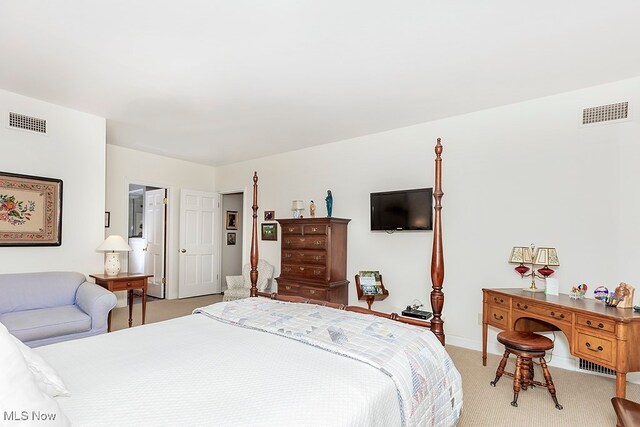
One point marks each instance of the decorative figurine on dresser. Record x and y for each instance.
(329, 200)
(314, 259)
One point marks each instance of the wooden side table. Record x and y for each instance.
(125, 282)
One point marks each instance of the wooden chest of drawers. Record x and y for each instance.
(314, 259)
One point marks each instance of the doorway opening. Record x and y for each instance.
(232, 238)
(147, 235)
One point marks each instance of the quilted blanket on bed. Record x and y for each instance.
(428, 384)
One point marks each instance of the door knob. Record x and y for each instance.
(183, 250)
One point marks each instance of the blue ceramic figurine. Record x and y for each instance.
(329, 200)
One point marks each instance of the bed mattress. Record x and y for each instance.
(195, 370)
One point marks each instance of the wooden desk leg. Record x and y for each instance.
(130, 298)
(621, 384)
(485, 326)
(109, 321)
(144, 303)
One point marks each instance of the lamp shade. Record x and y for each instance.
(546, 256)
(297, 205)
(114, 243)
(520, 255)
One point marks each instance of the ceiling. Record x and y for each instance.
(217, 82)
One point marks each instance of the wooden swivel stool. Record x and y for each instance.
(525, 346)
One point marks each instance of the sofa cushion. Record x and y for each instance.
(42, 323)
(28, 291)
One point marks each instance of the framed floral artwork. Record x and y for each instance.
(30, 210)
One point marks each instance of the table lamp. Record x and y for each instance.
(297, 207)
(534, 256)
(112, 246)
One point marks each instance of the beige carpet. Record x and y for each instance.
(585, 397)
(159, 310)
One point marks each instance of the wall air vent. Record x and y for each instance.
(605, 113)
(33, 124)
(594, 368)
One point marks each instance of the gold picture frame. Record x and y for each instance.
(30, 210)
(232, 220)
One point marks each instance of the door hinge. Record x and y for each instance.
(164, 281)
(165, 201)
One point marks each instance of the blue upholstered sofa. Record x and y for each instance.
(49, 307)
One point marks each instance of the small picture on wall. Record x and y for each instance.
(269, 215)
(232, 220)
(270, 231)
(107, 219)
(231, 238)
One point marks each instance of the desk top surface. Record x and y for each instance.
(586, 305)
(120, 276)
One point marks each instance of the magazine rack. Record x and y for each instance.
(370, 298)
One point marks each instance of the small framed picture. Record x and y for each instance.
(269, 215)
(107, 219)
(232, 220)
(270, 231)
(231, 238)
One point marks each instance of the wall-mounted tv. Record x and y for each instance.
(402, 210)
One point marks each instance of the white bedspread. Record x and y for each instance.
(195, 371)
(428, 384)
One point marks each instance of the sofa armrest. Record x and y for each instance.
(235, 282)
(97, 302)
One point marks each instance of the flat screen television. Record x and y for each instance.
(402, 210)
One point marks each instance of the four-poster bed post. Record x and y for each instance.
(437, 263)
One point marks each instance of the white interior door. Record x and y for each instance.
(199, 219)
(153, 231)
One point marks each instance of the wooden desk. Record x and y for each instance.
(604, 335)
(125, 282)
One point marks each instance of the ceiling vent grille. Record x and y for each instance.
(33, 124)
(605, 113)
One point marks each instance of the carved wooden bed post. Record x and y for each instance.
(253, 275)
(437, 255)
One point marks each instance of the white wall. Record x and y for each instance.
(513, 175)
(125, 166)
(73, 150)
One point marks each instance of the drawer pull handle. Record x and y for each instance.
(301, 239)
(314, 229)
(317, 272)
(287, 255)
(600, 325)
(128, 283)
(318, 242)
(288, 288)
(312, 292)
(287, 269)
(553, 314)
(317, 257)
(498, 318)
(288, 242)
(301, 268)
(524, 306)
(495, 299)
(589, 347)
(291, 229)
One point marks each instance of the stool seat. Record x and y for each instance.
(525, 341)
(525, 346)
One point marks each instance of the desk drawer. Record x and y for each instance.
(498, 300)
(596, 323)
(302, 242)
(498, 317)
(598, 348)
(557, 314)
